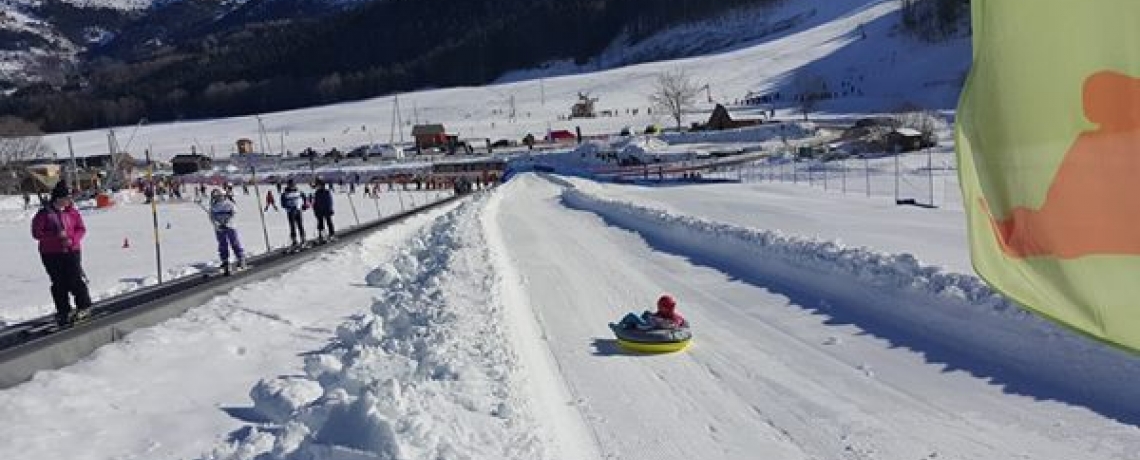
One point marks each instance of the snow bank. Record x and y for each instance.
(955, 318)
(12, 209)
(427, 373)
(760, 133)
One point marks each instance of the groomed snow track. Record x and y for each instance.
(25, 350)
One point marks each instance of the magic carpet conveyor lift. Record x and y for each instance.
(32, 346)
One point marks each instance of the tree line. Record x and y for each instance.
(379, 48)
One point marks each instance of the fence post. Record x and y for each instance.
(897, 155)
(843, 172)
(930, 173)
(867, 169)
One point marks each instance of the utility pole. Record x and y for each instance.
(74, 167)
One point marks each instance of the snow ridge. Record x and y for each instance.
(956, 318)
(428, 373)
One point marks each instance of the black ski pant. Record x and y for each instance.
(296, 225)
(322, 220)
(67, 280)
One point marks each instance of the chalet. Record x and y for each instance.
(561, 136)
(906, 140)
(429, 136)
(190, 163)
(584, 108)
(244, 146)
(721, 120)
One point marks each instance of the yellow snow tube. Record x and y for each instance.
(653, 347)
(652, 341)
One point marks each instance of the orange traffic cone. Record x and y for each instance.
(126, 243)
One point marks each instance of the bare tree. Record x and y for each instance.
(675, 92)
(810, 89)
(926, 122)
(19, 141)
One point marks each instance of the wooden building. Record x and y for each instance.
(429, 136)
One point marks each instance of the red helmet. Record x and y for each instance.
(666, 303)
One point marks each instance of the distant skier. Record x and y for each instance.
(59, 229)
(323, 209)
(269, 201)
(27, 201)
(294, 203)
(222, 212)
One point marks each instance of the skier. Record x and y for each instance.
(27, 201)
(222, 212)
(59, 229)
(269, 201)
(294, 203)
(323, 209)
(666, 317)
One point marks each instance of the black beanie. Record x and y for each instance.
(60, 190)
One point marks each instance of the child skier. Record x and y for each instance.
(222, 212)
(294, 203)
(666, 317)
(323, 209)
(269, 201)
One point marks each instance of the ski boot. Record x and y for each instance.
(226, 267)
(80, 316)
(64, 320)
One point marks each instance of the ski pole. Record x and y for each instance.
(154, 217)
(260, 210)
(352, 205)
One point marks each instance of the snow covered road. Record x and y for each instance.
(767, 375)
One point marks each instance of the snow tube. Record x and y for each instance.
(653, 340)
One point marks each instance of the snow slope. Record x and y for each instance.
(803, 350)
(177, 389)
(890, 70)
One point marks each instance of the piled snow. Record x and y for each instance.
(941, 307)
(760, 133)
(428, 373)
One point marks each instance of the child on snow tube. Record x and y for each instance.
(661, 331)
(666, 317)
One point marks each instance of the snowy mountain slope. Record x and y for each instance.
(924, 76)
(50, 32)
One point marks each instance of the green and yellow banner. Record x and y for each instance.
(1049, 159)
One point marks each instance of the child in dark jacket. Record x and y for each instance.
(323, 209)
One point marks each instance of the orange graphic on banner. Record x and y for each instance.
(1093, 204)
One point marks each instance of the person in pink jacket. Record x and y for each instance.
(666, 317)
(59, 229)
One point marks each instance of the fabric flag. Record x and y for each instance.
(1048, 139)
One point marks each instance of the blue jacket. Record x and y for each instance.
(293, 200)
